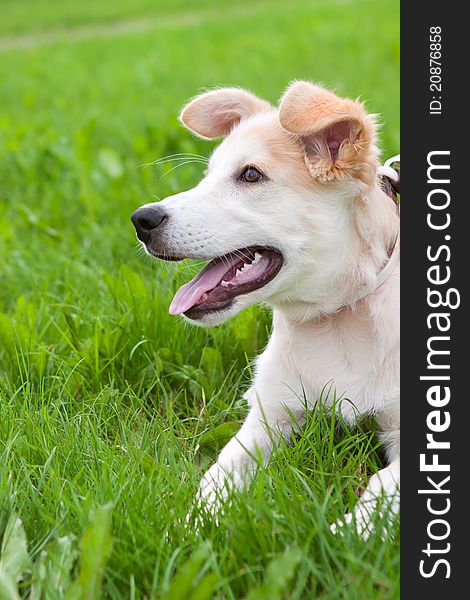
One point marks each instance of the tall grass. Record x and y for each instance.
(110, 408)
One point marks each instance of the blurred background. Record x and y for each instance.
(92, 367)
(90, 93)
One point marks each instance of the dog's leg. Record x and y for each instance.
(263, 428)
(382, 495)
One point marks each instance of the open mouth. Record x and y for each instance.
(225, 278)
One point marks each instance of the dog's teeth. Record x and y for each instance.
(256, 259)
(224, 283)
(238, 272)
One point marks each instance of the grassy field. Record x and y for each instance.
(106, 401)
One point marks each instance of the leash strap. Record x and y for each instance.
(390, 178)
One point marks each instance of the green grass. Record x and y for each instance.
(106, 400)
(33, 16)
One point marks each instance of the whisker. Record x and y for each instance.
(181, 158)
(182, 154)
(176, 157)
(187, 162)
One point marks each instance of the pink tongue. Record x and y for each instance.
(190, 293)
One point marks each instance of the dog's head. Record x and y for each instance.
(286, 212)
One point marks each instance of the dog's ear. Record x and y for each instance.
(214, 114)
(338, 135)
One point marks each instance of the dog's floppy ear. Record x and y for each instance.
(338, 135)
(214, 114)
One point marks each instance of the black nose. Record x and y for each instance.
(147, 219)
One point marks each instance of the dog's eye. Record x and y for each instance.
(251, 175)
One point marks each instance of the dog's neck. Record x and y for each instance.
(388, 267)
(305, 313)
(377, 220)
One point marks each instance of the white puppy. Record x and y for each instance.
(291, 212)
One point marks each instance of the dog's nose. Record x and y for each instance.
(147, 219)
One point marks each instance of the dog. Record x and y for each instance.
(291, 213)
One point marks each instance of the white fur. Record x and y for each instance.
(334, 237)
